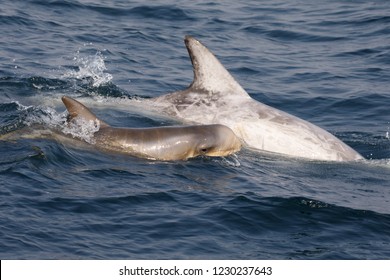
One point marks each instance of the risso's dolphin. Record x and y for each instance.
(157, 143)
(215, 97)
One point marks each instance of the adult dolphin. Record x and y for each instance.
(157, 143)
(215, 97)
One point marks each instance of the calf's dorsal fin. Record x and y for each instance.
(78, 110)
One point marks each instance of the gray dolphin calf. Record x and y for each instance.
(83, 129)
(157, 143)
(215, 97)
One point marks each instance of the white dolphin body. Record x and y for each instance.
(215, 97)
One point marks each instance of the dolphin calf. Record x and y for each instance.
(83, 129)
(157, 143)
(215, 96)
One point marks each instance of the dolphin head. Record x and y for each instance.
(218, 140)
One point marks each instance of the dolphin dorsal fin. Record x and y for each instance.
(76, 109)
(209, 74)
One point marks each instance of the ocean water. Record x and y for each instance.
(327, 62)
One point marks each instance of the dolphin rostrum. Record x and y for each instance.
(157, 143)
(215, 97)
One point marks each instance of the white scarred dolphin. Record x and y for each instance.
(215, 97)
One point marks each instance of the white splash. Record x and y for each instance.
(90, 66)
(21, 107)
(82, 129)
(42, 118)
(231, 161)
(46, 116)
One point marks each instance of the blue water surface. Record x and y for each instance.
(327, 62)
